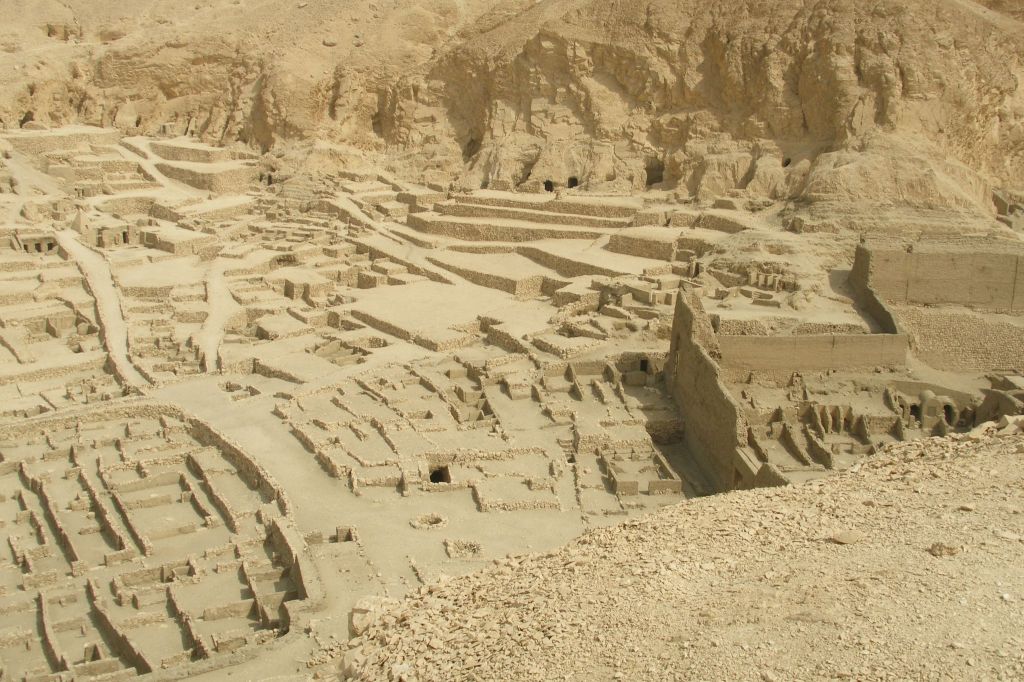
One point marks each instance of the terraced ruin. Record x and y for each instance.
(439, 378)
(308, 309)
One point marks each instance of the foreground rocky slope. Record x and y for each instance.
(909, 568)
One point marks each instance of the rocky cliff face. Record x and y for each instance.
(829, 100)
(915, 104)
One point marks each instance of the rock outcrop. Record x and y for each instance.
(915, 104)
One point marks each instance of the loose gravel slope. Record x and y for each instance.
(910, 567)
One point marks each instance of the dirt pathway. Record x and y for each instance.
(222, 307)
(108, 306)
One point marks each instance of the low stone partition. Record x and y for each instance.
(493, 229)
(106, 624)
(220, 181)
(38, 142)
(522, 288)
(643, 246)
(189, 151)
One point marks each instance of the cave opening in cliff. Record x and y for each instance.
(786, 161)
(470, 149)
(549, 186)
(573, 182)
(27, 118)
(655, 172)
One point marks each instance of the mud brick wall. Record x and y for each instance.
(113, 633)
(986, 279)
(249, 471)
(812, 353)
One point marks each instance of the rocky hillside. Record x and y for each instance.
(908, 568)
(915, 104)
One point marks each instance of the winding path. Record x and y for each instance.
(114, 329)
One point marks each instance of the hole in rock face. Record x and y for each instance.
(950, 414)
(440, 475)
(573, 182)
(966, 417)
(471, 148)
(786, 161)
(644, 365)
(655, 172)
(549, 186)
(915, 412)
(27, 118)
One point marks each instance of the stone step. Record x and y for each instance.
(496, 229)
(606, 207)
(467, 208)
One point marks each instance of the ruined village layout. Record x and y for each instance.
(246, 401)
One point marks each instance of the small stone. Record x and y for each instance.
(330, 42)
(848, 537)
(967, 507)
(939, 549)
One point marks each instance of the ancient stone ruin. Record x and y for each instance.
(276, 350)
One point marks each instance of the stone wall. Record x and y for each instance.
(813, 352)
(714, 429)
(236, 179)
(965, 340)
(983, 277)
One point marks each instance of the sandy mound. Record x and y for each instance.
(908, 568)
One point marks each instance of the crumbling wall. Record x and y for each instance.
(714, 429)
